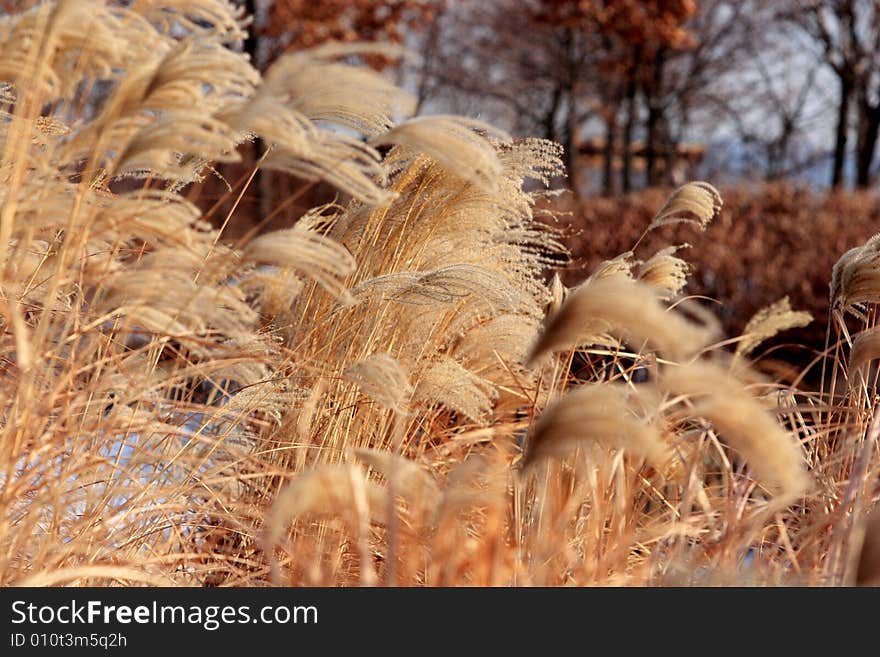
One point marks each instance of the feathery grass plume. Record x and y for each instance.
(409, 480)
(620, 265)
(302, 249)
(271, 289)
(774, 454)
(327, 490)
(505, 336)
(608, 415)
(242, 358)
(449, 383)
(558, 292)
(135, 132)
(162, 294)
(458, 144)
(446, 285)
(74, 39)
(303, 88)
(340, 490)
(383, 379)
(855, 278)
(630, 309)
(665, 271)
(301, 149)
(318, 87)
(696, 202)
(219, 19)
(769, 321)
(149, 216)
(169, 145)
(865, 348)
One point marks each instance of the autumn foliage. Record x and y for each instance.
(295, 24)
(653, 22)
(761, 248)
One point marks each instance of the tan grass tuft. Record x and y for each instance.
(665, 271)
(501, 341)
(626, 308)
(620, 265)
(319, 87)
(774, 454)
(326, 491)
(696, 202)
(306, 251)
(461, 146)
(607, 415)
(769, 321)
(855, 278)
(406, 478)
(865, 348)
(449, 383)
(383, 379)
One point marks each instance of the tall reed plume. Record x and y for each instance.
(383, 392)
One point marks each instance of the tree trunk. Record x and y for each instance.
(429, 52)
(572, 143)
(869, 125)
(257, 189)
(632, 88)
(550, 117)
(846, 90)
(570, 90)
(651, 140)
(608, 156)
(655, 120)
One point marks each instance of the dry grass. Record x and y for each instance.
(382, 393)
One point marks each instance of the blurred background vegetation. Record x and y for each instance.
(641, 92)
(776, 102)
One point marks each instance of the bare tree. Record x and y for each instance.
(770, 102)
(530, 72)
(849, 33)
(679, 81)
(612, 73)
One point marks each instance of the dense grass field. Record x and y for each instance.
(407, 386)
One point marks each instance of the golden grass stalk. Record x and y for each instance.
(458, 144)
(631, 310)
(169, 401)
(769, 321)
(696, 202)
(773, 454)
(382, 378)
(665, 271)
(607, 415)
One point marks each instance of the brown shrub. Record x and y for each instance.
(767, 243)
